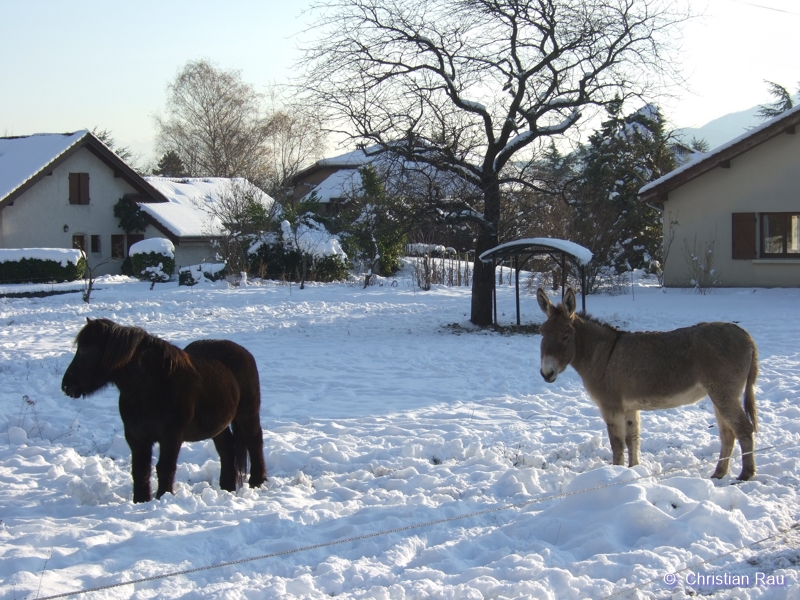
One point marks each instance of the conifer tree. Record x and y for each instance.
(782, 102)
(623, 155)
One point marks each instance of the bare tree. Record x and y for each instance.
(216, 124)
(476, 87)
(242, 213)
(295, 139)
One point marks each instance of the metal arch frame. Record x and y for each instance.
(533, 250)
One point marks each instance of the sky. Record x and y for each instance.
(93, 63)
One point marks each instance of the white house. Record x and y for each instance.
(59, 191)
(190, 218)
(742, 200)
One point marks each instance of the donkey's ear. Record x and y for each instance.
(544, 302)
(569, 301)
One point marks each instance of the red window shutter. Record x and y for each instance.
(744, 236)
(84, 177)
(74, 188)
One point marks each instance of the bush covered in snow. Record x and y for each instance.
(305, 247)
(153, 259)
(194, 274)
(33, 265)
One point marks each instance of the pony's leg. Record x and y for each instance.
(726, 437)
(615, 422)
(253, 437)
(223, 442)
(258, 468)
(167, 464)
(632, 436)
(141, 459)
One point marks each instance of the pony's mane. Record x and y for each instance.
(121, 344)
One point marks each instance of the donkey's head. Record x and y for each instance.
(558, 334)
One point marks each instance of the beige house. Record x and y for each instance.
(741, 201)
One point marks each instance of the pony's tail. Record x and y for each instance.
(239, 454)
(750, 390)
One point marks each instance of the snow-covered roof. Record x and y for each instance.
(354, 158)
(581, 254)
(21, 158)
(336, 185)
(193, 202)
(347, 180)
(702, 163)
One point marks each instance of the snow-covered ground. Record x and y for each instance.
(384, 410)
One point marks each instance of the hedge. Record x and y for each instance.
(37, 270)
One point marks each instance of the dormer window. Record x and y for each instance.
(79, 188)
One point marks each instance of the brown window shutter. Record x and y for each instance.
(74, 188)
(744, 236)
(84, 188)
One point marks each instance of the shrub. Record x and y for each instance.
(35, 265)
(194, 274)
(153, 260)
(328, 268)
(275, 261)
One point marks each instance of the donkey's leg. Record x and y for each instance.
(743, 429)
(729, 409)
(223, 442)
(141, 459)
(632, 436)
(167, 464)
(726, 438)
(615, 422)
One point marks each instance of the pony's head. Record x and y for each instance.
(558, 334)
(103, 346)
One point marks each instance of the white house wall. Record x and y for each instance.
(764, 179)
(37, 218)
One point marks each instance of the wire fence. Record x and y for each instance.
(478, 513)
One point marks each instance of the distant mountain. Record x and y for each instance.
(726, 127)
(723, 129)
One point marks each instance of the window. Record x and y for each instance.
(79, 242)
(79, 188)
(118, 246)
(95, 244)
(780, 235)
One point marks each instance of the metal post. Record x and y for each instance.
(583, 288)
(494, 290)
(516, 272)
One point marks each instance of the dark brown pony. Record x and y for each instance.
(170, 396)
(628, 371)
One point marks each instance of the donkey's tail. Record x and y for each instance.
(750, 390)
(239, 454)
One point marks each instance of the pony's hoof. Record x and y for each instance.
(746, 476)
